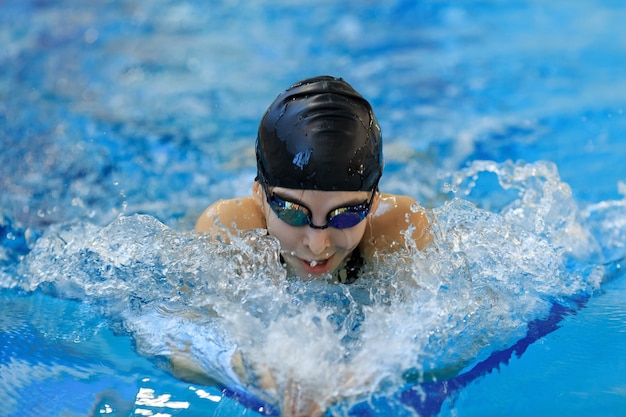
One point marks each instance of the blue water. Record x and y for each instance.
(505, 119)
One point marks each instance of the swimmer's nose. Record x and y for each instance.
(317, 240)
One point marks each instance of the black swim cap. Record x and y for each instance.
(320, 134)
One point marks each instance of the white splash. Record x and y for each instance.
(231, 313)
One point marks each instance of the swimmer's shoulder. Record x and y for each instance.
(392, 217)
(232, 215)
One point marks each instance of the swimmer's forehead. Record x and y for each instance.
(298, 195)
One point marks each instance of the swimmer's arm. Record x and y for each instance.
(231, 216)
(393, 216)
(184, 367)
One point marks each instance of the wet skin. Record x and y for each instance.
(311, 252)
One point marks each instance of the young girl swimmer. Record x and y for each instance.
(319, 161)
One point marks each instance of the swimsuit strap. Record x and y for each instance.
(350, 273)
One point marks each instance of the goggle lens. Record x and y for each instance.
(293, 216)
(347, 219)
(297, 215)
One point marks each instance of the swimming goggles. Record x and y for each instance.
(296, 214)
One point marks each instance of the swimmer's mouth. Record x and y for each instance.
(317, 266)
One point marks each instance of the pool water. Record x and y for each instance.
(120, 121)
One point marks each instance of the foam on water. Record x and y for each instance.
(306, 345)
(114, 108)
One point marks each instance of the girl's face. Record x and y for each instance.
(313, 251)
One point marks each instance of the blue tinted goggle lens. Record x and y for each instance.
(348, 217)
(298, 215)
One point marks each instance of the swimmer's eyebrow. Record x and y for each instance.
(352, 202)
(290, 199)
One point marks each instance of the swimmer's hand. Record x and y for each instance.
(184, 367)
(295, 403)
